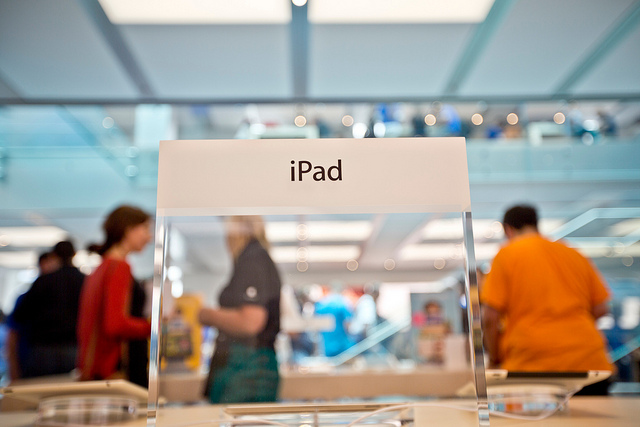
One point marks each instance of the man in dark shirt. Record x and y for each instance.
(48, 312)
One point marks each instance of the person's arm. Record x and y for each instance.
(247, 320)
(12, 355)
(23, 312)
(118, 322)
(491, 331)
(599, 310)
(599, 291)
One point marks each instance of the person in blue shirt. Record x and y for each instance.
(337, 340)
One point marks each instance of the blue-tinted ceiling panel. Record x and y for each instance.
(373, 61)
(538, 44)
(213, 61)
(51, 50)
(617, 73)
(6, 92)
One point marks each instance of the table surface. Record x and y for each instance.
(581, 412)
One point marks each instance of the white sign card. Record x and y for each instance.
(220, 177)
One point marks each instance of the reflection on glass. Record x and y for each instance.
(389, 264)
(302, 232)
(336, 323)
(302, 266)
(302, 254)
(108, 122)
(347, 120)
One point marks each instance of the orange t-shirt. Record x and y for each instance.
(545, 292)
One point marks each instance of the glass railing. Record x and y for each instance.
(489, 161)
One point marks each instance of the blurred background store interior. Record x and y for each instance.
(546, 92)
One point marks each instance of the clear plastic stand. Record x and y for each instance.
(386, 184)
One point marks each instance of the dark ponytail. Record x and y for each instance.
(117, 223)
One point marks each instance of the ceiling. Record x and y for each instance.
(69, 51)
(85, 101)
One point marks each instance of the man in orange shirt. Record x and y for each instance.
(540, 303)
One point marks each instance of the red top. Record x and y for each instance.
(104, 322)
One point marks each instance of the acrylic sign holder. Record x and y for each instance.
(218, 178)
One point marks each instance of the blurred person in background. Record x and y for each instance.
(336, 305)
(48, 262)
(541, 301)
(244, 367)
(17, 348)
(292, 324)
(107, 325)
(608, 125)
(47, 315)
(4, 335)
(365, 314)
(433, 328)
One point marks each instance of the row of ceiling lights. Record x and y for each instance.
(389, 265)
(430, 119)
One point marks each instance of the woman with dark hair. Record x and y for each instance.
(106, 324)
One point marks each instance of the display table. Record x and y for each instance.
(371, 383)
(582, 412)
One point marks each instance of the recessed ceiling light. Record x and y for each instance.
(434, 251)
(347, 120)
(334, 253)
(300, 121)
(27, 237)
(150, 12)
(318, 231)
(18, 259)
(352, 265)
(430, 119)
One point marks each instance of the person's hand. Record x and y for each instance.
(493, 364)
(204, 316)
